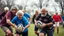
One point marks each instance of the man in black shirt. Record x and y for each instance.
(47, 26)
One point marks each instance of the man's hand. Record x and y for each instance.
(43, 25)
(23, 29)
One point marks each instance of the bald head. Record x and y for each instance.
(44, 11)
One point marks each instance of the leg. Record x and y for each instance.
(7, 31)
(50, 32)
(54, 26)
(17, 35)
(57, 27)
(42, 33)
(25, 33)
(63, 24)
(36, 31)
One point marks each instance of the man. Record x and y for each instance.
(6, 23)
(33, 20)
(26, 14)
(57, 18)
(21, 20)
(6, 9)
(47, 23)
(35, 15)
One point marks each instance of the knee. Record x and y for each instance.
(41, 34)
(36, 32)
(8, 31)
(17, 35)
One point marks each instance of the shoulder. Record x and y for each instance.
(16, 17)
(23, 17)
(48, 16)
(27, 14)
(8, 13)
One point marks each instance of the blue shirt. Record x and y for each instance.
(22, 21)
(63, 18)
(27, 15)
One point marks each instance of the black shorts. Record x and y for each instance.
(6, 27)
(23, 33)
(35, 28)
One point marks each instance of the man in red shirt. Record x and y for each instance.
(57, 19)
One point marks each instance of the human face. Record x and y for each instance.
(14, 11)
(44, 11)
(20, 16)
(36, 12)
(56, 13)
(6, 11)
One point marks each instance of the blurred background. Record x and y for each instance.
(32, 5)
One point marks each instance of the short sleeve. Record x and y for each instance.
(8, 15)
(14, 20)
(25, 21)
(28, 15)
(51, 19)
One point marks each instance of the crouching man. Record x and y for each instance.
(18, 20)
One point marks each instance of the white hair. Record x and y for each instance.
(20, 12)
(6, 8)
(44, 8)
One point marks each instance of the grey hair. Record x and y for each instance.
(14, 7)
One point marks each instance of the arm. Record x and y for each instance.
(10, 23)
(51, 22)
(8, 18)
(1, 15)
(60, 18)
(26, 22)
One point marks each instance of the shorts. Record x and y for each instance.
(6, 28)
(35, 28)
(48, 32)
(23, 33)
(56, 24)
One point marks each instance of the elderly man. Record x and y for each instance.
(6, 21)
(21, 20)
(47, 23)
(6, 9)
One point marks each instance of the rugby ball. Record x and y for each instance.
(20, 28)
(39, 23)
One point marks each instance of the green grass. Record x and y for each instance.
(31, 31)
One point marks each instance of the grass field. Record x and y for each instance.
(31, 31)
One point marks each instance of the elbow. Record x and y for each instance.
(7, 21)
(29, 25)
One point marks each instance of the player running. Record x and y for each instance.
(6, 21)
(57, 18)
(33, 20)
(20, 19)
(47, 23)
(6, 9)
